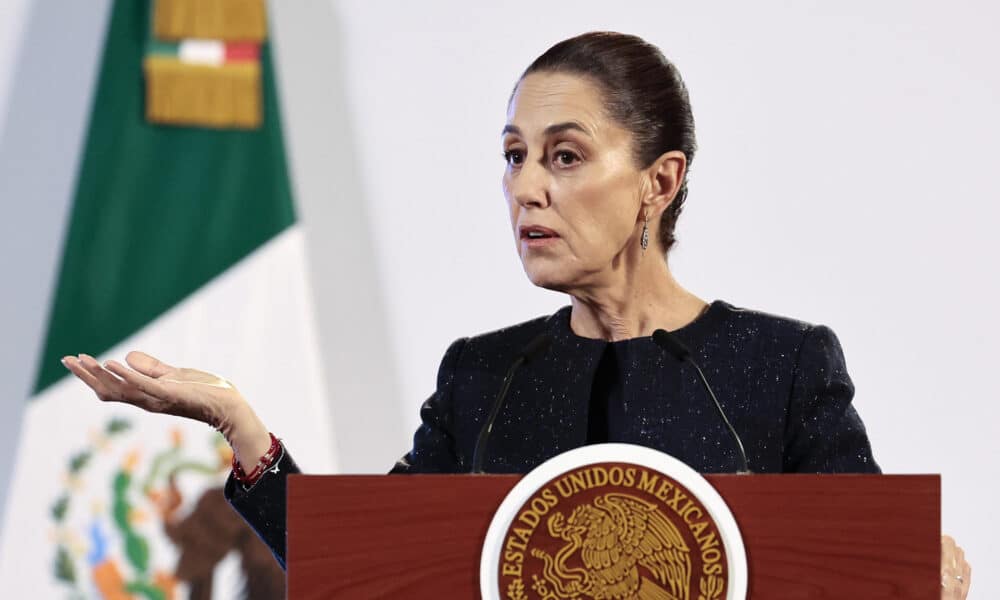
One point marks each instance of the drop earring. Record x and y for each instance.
(644, 240)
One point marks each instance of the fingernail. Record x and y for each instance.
(65, 361)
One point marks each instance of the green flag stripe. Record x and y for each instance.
(158, 211)
(154, 46)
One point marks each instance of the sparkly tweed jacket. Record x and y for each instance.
(782, 383)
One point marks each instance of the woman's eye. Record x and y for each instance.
(513, 157)
(566, 158)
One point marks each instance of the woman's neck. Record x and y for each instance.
(633, 306)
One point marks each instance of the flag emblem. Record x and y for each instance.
(202, 63)
(123, 524)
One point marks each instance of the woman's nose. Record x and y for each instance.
(530, 187)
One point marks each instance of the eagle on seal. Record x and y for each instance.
(615, 535)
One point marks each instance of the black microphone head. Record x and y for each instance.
(536, 347)
(671, 344)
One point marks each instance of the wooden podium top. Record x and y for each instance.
(806, 536)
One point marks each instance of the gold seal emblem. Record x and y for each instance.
(613, 522)
(613, 531)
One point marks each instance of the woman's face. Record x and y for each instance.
(570, 182)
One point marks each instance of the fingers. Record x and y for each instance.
(164, 395)
(108, 387)
(142, 382)
(157, 396)
(146, 364)
(73, 364)
(965, 570)
(956, 573)
(948, 547)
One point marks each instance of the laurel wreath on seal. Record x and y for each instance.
(515, 591)
(710, 587)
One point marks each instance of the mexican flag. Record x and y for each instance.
(182, 242)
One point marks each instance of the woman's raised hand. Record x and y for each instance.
(158, 387)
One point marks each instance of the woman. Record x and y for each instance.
(597, 144)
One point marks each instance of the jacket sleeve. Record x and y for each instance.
(262, 505)
(434, 448)
(824, 433)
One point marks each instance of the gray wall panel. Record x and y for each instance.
(353, 328)
(47, 113)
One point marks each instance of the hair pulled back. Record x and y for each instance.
(642, 91)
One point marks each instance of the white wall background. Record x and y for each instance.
(845, 176)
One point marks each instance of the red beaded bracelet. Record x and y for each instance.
(266, 462)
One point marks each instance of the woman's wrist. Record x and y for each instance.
(248, 476)
(246, 434)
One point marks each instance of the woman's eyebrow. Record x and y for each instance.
(551, 129)
(568, 125)
(508, 128)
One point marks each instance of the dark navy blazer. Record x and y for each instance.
(782, 383)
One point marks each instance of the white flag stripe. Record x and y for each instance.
(253, 324)
(202, 52)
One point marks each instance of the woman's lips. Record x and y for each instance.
(536, 236)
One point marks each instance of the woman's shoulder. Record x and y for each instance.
(726, 329)
(751, 318)
(518, 335)
(494, 351)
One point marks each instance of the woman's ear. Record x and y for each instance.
(665, 177)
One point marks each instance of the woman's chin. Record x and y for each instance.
(548, 277)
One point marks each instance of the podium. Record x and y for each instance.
(806, 536)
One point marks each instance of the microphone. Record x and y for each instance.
(675, 348)
(534, 349)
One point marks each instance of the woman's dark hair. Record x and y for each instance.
(642, 90)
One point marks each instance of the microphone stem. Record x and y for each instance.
(484, 433)
(739, 443)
